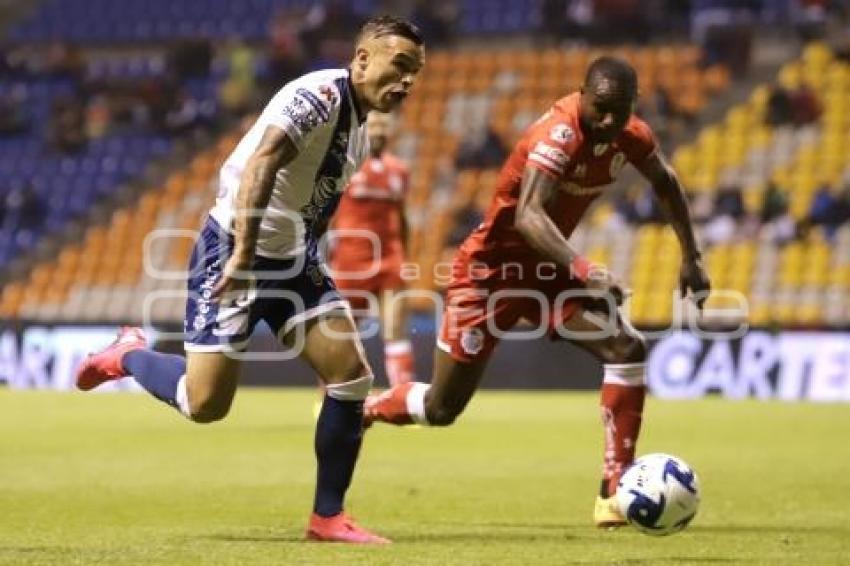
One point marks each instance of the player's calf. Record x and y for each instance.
(437, 404)
(621, 406)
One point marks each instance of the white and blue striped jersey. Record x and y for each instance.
(319, 113)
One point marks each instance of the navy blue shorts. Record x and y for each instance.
(284, 293)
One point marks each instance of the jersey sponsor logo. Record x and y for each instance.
(305, 112)
(617, 163)
(577, 190)
(472, 341)
(324, 193)
(549, 156)
(326, 190)
(562, 133)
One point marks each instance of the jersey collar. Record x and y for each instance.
(361, 116)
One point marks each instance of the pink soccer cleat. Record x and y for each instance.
(340, 528)
(106, 365)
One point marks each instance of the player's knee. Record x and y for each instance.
(209, 409)
(346, 369)
(441, 416)
(627, 348)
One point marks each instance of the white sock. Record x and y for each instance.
(416, 403)
(182, 398)
(396, 347)
(633, 375)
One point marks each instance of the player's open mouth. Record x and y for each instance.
(397, 96)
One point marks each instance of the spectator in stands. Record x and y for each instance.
(805, 105)
(729, 202)
(190, 58)
(98, 116)
(725, 223)
(830, 208)
(842, 211)
(238, 90)
(780, 111)
(327, 33)
(23, 204)
(466, 219)
(437, 21)
(286, 54)
(13, 115)
(777, 225)
(810, 18)
(189, 114)
(64, 61)
(724, 29)
(66, 128)
(620, 21)
(774, 204)
(823, 206)
(637, 205)
(481, 149)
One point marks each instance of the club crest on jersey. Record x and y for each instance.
(328, 94)
(561, 133)
(472, 341)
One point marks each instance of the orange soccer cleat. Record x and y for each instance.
(106, 365)
(340, 528)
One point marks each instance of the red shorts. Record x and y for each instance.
(484, 301)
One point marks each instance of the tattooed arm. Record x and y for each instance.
(275, 150)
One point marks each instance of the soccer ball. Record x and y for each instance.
(658, 494)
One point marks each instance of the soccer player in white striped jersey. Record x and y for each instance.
(257, 259)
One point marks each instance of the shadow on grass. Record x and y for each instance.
(679, 560)
(773, 529)
(442, 532)
(272, 538)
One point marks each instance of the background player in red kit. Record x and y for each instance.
(519, 264)
(373, 204)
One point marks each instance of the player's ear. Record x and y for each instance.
(361, 57)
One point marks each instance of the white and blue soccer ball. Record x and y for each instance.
(658, 494)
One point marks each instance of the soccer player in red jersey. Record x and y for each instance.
(519, 264)
(369, 248)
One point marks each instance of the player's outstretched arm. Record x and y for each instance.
(535, 224)
(665, 183)
(274, 151)
(543, 235)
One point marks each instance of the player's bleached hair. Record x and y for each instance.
(382, 26)
(613, 69)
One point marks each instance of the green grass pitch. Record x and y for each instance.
(119, 479)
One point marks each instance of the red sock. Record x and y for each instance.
(398, 361)
(623, 394)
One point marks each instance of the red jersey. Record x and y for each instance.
(555, 145)
(373, 201)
